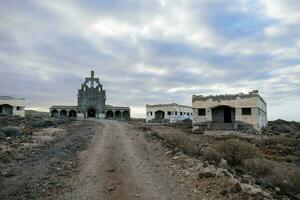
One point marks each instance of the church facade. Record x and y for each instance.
(91, 103)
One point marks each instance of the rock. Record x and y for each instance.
(207, 174)
(266, 184)
(226, 173)
(19, 156)
(259, 196)
(224, 192)
(223, 163)
(189, 161)
(111, 188)
(168, 153)
(246, 179)
(236, 188)
(179, 156)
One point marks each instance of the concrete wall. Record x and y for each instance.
(17, 104)
(177, 112)
(258, 117)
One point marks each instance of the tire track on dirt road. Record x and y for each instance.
(117, 165)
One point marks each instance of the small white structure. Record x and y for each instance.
(12, 106)
(229, 111)
(169, 112)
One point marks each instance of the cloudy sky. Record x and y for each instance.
(151, 51)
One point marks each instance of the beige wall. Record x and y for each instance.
(258, 117)
(170, 108)
(15, 103)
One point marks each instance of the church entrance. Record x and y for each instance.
(91, 112)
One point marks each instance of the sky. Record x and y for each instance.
(151, 51)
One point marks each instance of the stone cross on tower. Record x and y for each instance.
(92, 79)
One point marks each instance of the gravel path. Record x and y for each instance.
(117, 165)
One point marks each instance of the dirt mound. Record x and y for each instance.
(280, 126)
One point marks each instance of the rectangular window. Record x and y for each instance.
(175, 113)
(169, 112)
(188, 114)
(180, 113)
(246, 111)
(201, 112)
(19, 108)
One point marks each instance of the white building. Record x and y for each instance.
(169, 112)
(229, 111)
(12, 106)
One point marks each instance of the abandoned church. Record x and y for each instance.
(229, 111)
(91, 104)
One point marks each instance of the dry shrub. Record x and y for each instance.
(182, 142)
(235, 151)
(258, 166)
(285, 176)
(210, 154)
(11, 131)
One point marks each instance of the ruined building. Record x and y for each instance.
(91, 103)
(10, 106)
(168, 113)
(229, 111)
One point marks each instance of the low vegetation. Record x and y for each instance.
(262, 158)
(282, 175)
(179, 141)
(39, 122)
(10, 131)
(235, 151)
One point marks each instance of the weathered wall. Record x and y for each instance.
(258, 117)
(185, 110)
(16, 103)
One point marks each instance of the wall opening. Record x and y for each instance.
(54, 113)
(72, 113)
(126, 115)
(109, 114)
(118, 114)
(6, 109)
(63, 113)
(223, 114)
(159, 114)
(91, 112)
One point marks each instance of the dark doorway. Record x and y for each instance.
(72, 113)
(6, 109)
(91, 112)
(126, 115)
(159, 114)
(227, 114)
(63, 113)
(54, 113)
(109, 114)
(223, 114)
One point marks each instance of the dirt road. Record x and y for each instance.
(118, 165)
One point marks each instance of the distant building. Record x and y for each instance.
(229, 111)
(168, 112)
(10, 106)
(91, 104)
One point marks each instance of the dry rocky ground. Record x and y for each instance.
(103, 159)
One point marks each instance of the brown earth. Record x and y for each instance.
(106, 160)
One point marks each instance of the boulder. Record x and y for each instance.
(236, 188)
